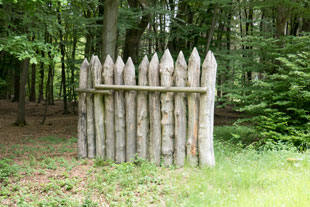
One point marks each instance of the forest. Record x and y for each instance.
(262, 106)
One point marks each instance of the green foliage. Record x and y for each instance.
(279, 103)
(243, 135)
(7, 169)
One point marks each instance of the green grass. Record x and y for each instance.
(241, 177)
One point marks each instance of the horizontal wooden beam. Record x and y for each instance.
(152, 88)
(80, 90)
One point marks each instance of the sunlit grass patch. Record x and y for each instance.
(274, 175)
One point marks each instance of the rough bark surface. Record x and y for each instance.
(20, 120)
(82, 132)
(131, 111)
(155, 116)
(167, 114)
(206, 115)
(91, 153)
(107, 77)
(180, 76)
(193, 108)
(142, 112)
(109, 33)
(98, 110)
(119, 101)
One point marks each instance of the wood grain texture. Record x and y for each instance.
(119, 101)
(180, 76)
(131, 111)
(82, 122)
(206, 115)
(193, 108)
(155, 115)
(167, 106)
(98, 110)
(107, 77)
(143, 112)
(91, 148)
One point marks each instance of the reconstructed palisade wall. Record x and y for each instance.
(163, 113)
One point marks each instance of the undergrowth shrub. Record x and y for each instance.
(279, 103)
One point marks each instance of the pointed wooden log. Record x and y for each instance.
(107, 77)
(155, 115)
(193, 108)
(98, 110)
(167, 114)
(82, 123)
(142, 112)
(131, 111)
(119, 101)
(180, 76)
(206, 115)
(91, 153)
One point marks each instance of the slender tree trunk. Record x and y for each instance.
(20, 120)
(109, 33)
(63, 70)
(16, 84)
(281, 19)
(47, 91)
(32, 97)
(41, 81)
(211, 30)
(73, 69)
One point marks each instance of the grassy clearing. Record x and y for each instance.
(44, 172)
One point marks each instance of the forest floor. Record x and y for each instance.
(38, 167)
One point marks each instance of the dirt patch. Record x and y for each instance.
(56, 124)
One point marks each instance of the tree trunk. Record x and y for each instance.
(73, 69)
(133, 36)
(20, 120)
(63, 70)
(48, 90)
(32, 97)
(41, 81)
(109, 33)
(16, 84)
(211, 30)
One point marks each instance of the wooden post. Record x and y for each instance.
(82, 123)
(98, 110)
(107, 77)
(119, 112)
(193, 108)
(155, 116)
(180, 111)
(206, 115)
(142, 112)
(90, 113)
(167, 115)
(131, 113)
